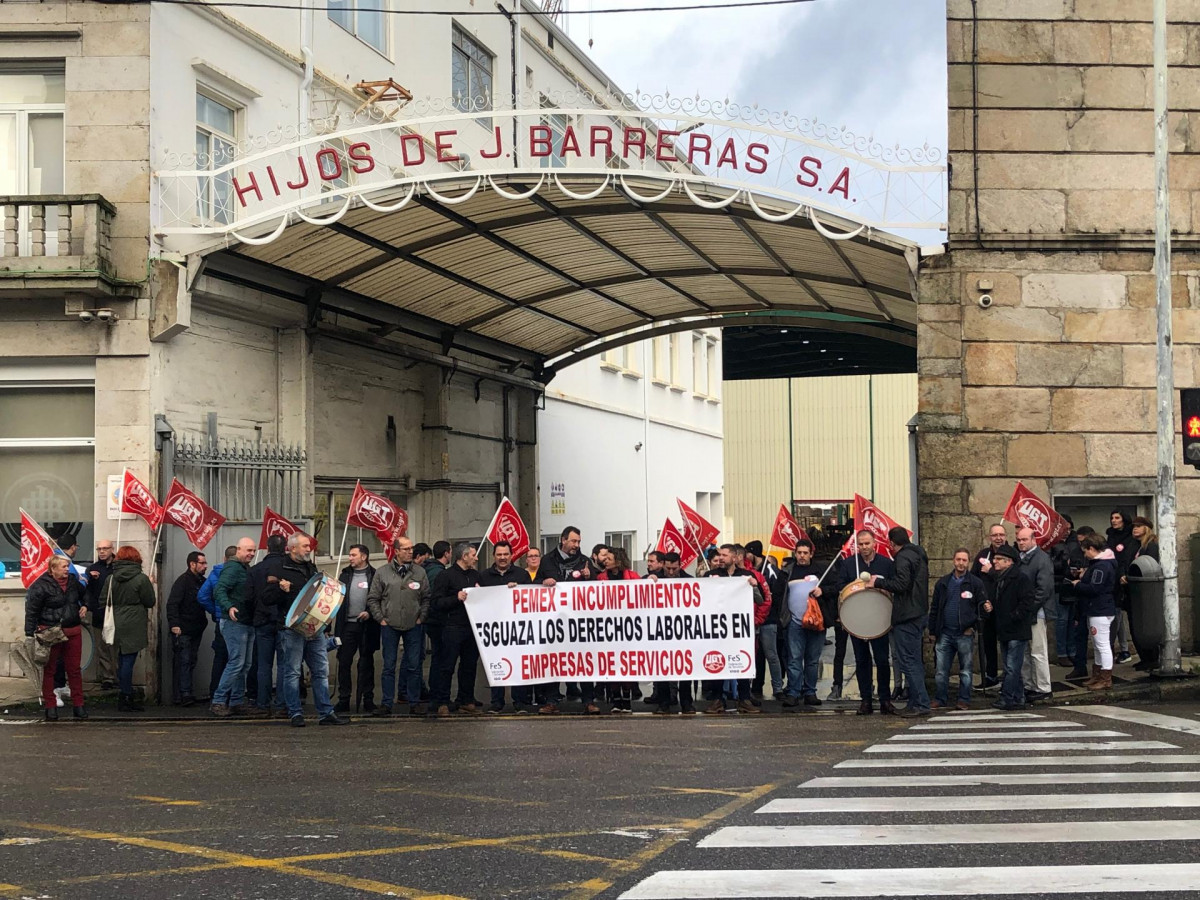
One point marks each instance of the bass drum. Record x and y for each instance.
(87, 649)
(315, 605)
(865, 612)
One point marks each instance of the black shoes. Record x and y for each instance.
(79, 712)
(126, 703)
(812, 700)
(51, 713)
(297, 721)
(865, 708)
(333, 719)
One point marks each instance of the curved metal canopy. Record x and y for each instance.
(538, 282)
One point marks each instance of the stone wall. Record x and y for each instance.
(1052, 215)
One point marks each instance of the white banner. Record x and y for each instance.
(671, 629)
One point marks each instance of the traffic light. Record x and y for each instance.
(1189, 401)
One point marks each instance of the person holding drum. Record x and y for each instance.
(875, 622)
(298, 576)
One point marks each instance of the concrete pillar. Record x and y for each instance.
(527, 493)
(435, 453)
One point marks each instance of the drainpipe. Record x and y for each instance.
(304, 101)
(912, 477)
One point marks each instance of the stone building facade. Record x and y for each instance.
(1052, 215)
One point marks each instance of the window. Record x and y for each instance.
(32, 144)
(216, 140)
(334, 171)
(329, 535)
(470, 72)
(623, 539)
(365, 19)
(548, 544)
(660, 359)
(557, 123)
(710, 357)
(699, 370)
(674, 348)
(47, 460)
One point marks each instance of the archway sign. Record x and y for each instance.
(644, 145)
(541, 234)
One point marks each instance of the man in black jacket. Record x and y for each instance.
(458, 639)
(187, 620)
(566, 564)
(768, 632)
(1013, 606)
(269, 609)
(358, 632)
(98, 573)
(982, 569)
(805, 644)
(503, 572)
(866, 652)
(957, 598)
(909, 586)
(666, 692)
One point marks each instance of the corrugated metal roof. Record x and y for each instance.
(550, 274)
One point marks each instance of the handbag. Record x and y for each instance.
(45, 639)
(108, 633)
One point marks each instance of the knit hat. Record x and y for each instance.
(755, 547)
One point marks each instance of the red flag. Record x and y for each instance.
(136, 498)
(869, 517)
(507, 526)
(671, 540)
(698, 530)
(1027, 510)
(275, 524)
(787, 531)
(379, 514)
(36, 550)
(183, 509)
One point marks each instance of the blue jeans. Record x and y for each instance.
(948, 646)
(266, 649)
(410, 667)
(908, 637)
(220, 658)
(768, 639)
(295, 650)
(125, 663)
(239, 638)
(1064, 634)
(1012, 692)
(522, 695)
(804, 659)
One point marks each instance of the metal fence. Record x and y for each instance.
(241, 478)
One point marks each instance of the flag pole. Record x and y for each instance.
(345, 528)
(120, 519)
(154, 554)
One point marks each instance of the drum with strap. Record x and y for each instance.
(865, 611)
(315, 605)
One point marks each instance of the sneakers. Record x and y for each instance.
(835, 692)
(1124, 657)
(690, 711)
(332, 719)
(989, 684)
(1035, 696)
(495, 709)
(297, 721)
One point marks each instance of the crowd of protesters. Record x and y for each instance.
(998, 605)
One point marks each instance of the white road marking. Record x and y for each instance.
(942, 723)
(1005, 735)
(978, 716)
(1067, 832)
(1007, 778)
(991, 762)
(955, 802)
(728, 884)
(1141, 717)
(1032, 745)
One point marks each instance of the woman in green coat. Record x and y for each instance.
(132, 596)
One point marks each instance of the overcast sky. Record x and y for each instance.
(874, 66)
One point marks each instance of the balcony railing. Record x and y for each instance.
(57, 242)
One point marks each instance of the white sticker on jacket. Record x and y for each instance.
(414, 586)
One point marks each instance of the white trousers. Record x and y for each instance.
(1101, 644)
(1035, 672)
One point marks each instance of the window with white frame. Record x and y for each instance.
(32, 143)
(47, 454)
(216, 143)
(622, 539)
(710, 361)
(470, 72)
(674, 358)
(557, 123)
(699, 369)
(548, 544)
(334, 169)
(365, 19)
(660, 359)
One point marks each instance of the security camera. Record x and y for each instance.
(985, 301)
(637, 446)
(106, 316)
(87, 315)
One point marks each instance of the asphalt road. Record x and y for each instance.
(574, 809)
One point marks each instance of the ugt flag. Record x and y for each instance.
(671, 540)
(507, 526)
(183, 509)
(787, 531)
(1027, 510)
(137, 499)
(698, 530)
(275, 524)
(36, 550)
(869, 517)
(378, 514)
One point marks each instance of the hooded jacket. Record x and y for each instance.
(1098, 585)
(909, 584)
(48, 604)
(132, 596)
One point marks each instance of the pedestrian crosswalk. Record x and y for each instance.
(941, 824)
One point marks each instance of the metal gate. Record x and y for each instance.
(241, 478)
